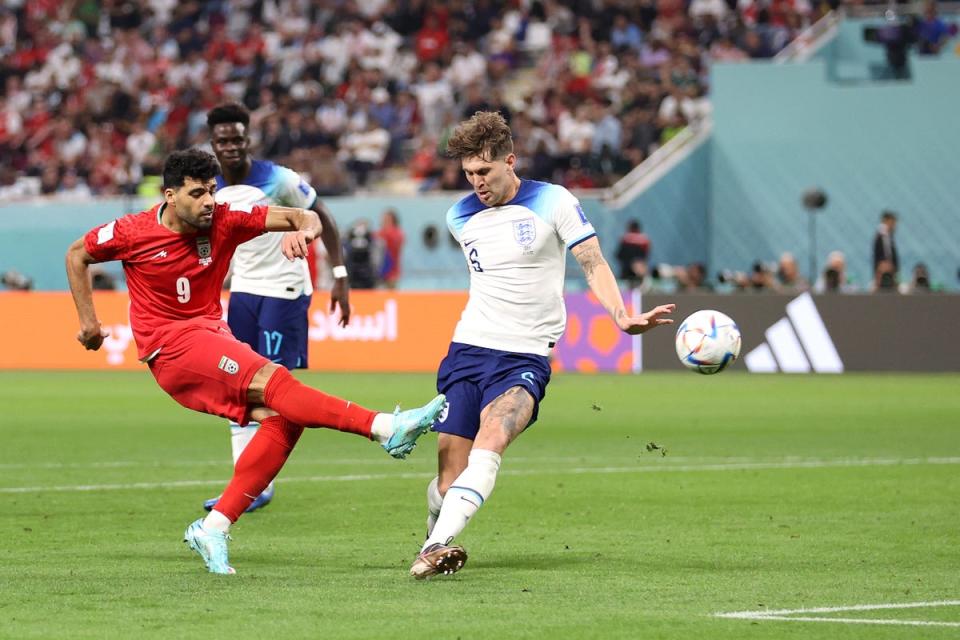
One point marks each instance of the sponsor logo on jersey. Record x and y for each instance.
(228, 365)
(160, 254)
(525, 232)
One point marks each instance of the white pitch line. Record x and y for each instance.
(362, 461)
(909, 623)
(789, 615)
(739, 466)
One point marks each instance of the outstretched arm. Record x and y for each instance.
(604, 285)
(304, 224)
(91, 334)
(330, 236)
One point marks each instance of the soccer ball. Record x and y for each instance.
(708, 341)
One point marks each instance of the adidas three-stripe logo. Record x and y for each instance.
(797, 343)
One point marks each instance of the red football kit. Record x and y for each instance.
(173, 277)
(174, 282)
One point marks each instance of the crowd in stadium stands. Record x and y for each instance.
(96, 93)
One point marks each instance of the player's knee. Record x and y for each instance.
(258, 384)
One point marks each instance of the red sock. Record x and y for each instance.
(299, 403)
(258, 464)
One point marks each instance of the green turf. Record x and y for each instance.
(775, 492)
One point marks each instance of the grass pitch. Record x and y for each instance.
(636, 507)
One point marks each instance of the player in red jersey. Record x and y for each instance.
(175, 257)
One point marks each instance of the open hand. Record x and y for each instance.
(340, 297)
(646, 321)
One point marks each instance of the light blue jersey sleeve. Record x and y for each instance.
(561, 209)
(459, 214)
(292, 190)
(451, 226)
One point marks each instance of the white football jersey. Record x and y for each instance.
(516, 254)
(258, 266)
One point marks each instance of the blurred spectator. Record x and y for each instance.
(919, 281)
(360, 255)
(788, 278)
(886, 263)
(723, 50)
(633, 252)
(100, 280)
(761, 278)
(467, 67)
(431, 40)
(834, 276)
(885, 277)
(692, 278)
(366, 150)
(452, 177)
(16, 281)
(625, 34)
(932, 31)
(327, 174)
(434, 98)
(391, 238)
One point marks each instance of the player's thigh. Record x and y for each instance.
(461, 412)
(208, 371)
(505, 418)
(511, 399)
(284, 329)
(243, 318)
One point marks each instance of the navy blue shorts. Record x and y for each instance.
(473, 377)
(273, 327)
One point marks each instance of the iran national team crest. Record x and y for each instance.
(525, 232)
(204, 251)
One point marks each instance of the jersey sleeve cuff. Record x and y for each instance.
(592, 234)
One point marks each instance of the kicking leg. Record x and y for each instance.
(275, 388)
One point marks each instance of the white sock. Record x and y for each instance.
(216, 521)
(382, 427)
(240, 437)
(465, 495)
(434, 503)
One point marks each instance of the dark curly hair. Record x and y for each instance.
(486, 135)
(228, 113)
(192, 163)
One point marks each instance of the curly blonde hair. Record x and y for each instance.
(486, 135)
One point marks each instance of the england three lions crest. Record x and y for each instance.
(525, 232)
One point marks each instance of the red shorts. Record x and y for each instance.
(206, 369)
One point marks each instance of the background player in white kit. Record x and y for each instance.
(269, 295)
(514, 234)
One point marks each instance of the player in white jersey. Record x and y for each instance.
(269, 295)
(514, 234)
